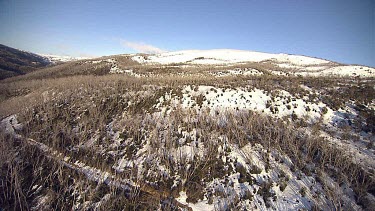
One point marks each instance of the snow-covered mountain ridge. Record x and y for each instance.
(57, 58)
(227, 56)
(285, 64)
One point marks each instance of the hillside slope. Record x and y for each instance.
(245, 131)
(283, 64)
(226, 56)
(15, 62)
(219, 62)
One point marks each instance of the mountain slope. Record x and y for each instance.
(283, 64)
(15, 62)
(59, 59)
(227, 56)
(239, 131)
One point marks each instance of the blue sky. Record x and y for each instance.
(338, 30)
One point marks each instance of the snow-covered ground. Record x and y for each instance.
(225, 56)
(237, 72)
(58, 58)
(348, 70)
(158, 144)
(288, 64)
(280, 104)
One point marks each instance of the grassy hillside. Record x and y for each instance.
(14, 62)
(114, 134)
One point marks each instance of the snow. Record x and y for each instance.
(340, 71)
(286, 65)
(279, 104)
(225, 56)
(58, 58)
(315, 68)
(116, 70)
(230, 99)
(300, 60)
(325, 71)
(237, 72)
(290, 64)
(200, 206)
(206, 61)
(122, 164)
(350, 71)
(139, 59)
(218, 98)
(10, 125)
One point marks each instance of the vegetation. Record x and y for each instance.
(14, 62)
(93, 140)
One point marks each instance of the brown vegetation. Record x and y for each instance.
(75, 110)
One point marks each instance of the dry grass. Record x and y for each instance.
(64, 111)
(53, 126)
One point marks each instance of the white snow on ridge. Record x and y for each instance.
(347, 71)
(324, 71)
(57, 58)
(298, 65)
(299, 60)
(225, 56)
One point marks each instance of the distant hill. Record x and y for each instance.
(15, 62)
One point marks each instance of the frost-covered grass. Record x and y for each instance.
(184, 135)
(231, 159)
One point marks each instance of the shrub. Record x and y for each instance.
(283, 185)
(194, 192)
(255, 170)
(266, 192)
(324, 110)
(302, 191)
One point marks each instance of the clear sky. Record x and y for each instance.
(338, 30)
